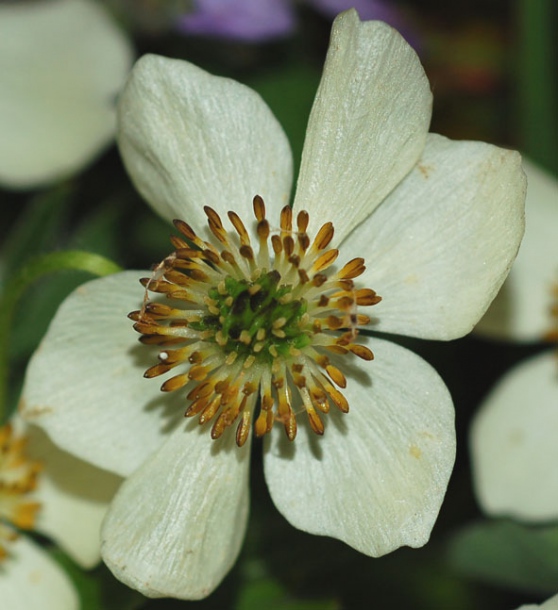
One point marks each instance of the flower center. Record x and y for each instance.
(18, 478)
(246, 325)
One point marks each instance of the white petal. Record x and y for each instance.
(29, 578)
(368, 124)
(440, 246)
(521, 309)
(513, 443)
(62, 63)
(74, 498)
(377, 477)
(190, 139)
(177, 524)
(84, 385)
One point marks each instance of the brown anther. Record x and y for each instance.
(366, 296)
(240, 228)
(337, 349)
(209, 411)
(158, 309)
(325, 260)
(324, 236)
(287, 219)
(157, 370)
(215, 224)
(156, 339)
(243, 429)
(263, 229)
(345, 285)
(352, 269)
(303, 276)
(185, 229)
(198, 275)
(178, 278)
(344, 303)
(319, 279)
(202, 390)
(302, 220)
(195, 358)
(249, 388)
(346, 338)
(184, 253)
(228, 258)
(339, 400)
(319, 399)
(294, 259)
(315, 421)
(361, 351)
(288, 245)
(259, 208)
(198, 372)
(303, 241)
(337, 376)
(289, 421)
(260, 425)
(333, 322)
(247, 252)
(174, 383)
(276, 244)
(211, 256)
(179, 244)
(323, 301)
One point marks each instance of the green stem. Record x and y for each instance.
(33, 270)
(536, 81)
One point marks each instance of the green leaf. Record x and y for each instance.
(509, 554)
(269, 594)
(35, 269)
(290, 93)
(37, 229)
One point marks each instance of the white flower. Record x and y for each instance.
(62, 63)
(513, 443)
(520, 311)
(438, 223)
(43, 488)
(513, 436)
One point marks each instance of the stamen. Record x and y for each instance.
(18, 479)
(246, 325)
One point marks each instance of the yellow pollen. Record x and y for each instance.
(255, 329)
(18, 479)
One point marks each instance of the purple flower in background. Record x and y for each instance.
(247, 20)
(260, 20)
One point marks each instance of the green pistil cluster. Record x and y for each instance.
(258, 318)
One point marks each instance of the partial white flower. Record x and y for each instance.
(261, 310)
(47, 490)
(549, 604)
(513, 436)
(513, 443)
(520, 311)
(62, 64)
